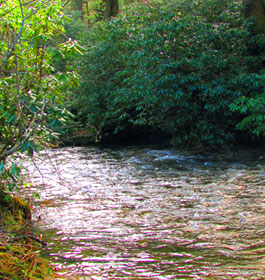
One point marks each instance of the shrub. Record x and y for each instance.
(31, 91)
(182, 71)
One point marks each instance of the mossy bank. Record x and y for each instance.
(19, 248)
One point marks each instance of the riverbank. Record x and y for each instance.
(19, 248)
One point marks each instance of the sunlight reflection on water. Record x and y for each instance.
(143, 213)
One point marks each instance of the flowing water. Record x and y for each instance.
(149, 213)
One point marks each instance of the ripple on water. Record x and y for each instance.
(136, 213)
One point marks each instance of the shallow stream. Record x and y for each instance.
(152, 213)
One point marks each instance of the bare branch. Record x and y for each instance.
(10, 52)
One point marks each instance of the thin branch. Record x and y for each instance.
(21, 9)
(44, 244)
(10, 53)
(18, 36)
(66, 3)
(10, 10)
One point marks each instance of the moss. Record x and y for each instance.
(19, 249)
(21, 261)
(13, 209)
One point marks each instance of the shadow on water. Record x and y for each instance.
(143, 213)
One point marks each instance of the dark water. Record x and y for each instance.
(148, 213)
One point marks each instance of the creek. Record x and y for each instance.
(151, 213)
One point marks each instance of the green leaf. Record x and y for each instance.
(1, 166)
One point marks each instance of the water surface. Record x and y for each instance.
(149, 213)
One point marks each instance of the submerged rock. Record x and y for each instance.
(158, 153)
(147, 166)
(176, 158)
(209, 164)
(135, 160)
(238, 165)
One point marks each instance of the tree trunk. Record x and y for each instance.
(255, 9)
(111, 8)
(78, 6)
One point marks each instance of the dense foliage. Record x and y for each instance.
(30, 88)
(188, 69)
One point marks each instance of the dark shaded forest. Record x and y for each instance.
(189, 72)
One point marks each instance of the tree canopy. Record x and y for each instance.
(30, 87)
(187, 69)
